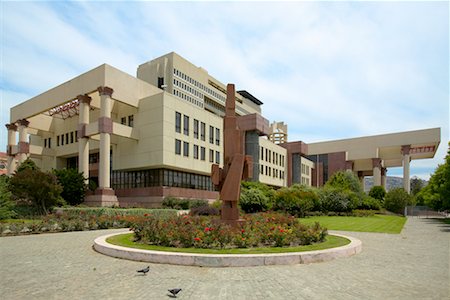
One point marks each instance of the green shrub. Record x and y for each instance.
(205, 210)
(38, 188)
(337, 200)
(254, 200)
(6, 204)
(377, 192)
(396, 200)
(175, 203)
(75, 212)
(74, 187)
(295, 201)
(345, 180)
(370, 203)
(197, 203)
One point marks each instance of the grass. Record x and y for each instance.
(26, 221)
(376, 223)
(126, 240)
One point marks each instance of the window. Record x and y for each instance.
(57, 140)
(262, 154)
(178, 147)
(261, 170)
(45, 143)
(266, 155)
(211, 155)
(217, 136)
(195, 128)
(62, 139)
(202, 131)
(186, 125)
(131, 121)
(217, 157)
(211, 134)
(202, 153)
(185, 149)
(123, 121)
(49, 142)
(67, 138)
(178, 122)
(71, 137)
(270, 156)
(195, 151)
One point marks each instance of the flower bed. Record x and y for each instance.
(258, 230)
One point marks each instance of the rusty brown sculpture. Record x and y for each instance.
(237, 166)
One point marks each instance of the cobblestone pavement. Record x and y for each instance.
(410, 265)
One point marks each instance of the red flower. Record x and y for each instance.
(242, 230)
(197, 239)
(145, 215)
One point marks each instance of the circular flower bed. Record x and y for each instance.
(258, 230)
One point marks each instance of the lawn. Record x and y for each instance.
(376, 223)
(126, 240)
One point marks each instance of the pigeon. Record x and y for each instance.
(174, 292)
(144, 271)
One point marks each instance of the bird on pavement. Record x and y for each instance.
(144, 271)
(174, 292)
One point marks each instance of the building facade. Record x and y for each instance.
(141, 139)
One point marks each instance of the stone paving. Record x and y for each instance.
(412, 265)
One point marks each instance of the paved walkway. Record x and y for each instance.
(412, 265)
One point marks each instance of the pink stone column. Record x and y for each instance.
(83, 140)
(23, 146)
(406, 160)
(383, 177)
(105, 129)
(11, 163)
(376, 164)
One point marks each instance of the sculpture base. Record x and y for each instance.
(102, 197)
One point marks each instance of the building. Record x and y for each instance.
(144, 138)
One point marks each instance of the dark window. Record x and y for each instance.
(160, 82)
(185, 149)
(202, 131)
(262, 154)
(131, 121)
(71, 137)
(49, 142)
(211, 155)
(195, 151)
(123, 121)
(57, 140)
(178, 147)
(62, 139)
(45, 143)
(217, 157)
(186, 125)
(266, 155)
(202, 153)
(195, 128)
(211, 134)
(178, 122)
(217, 136)
(67, 138)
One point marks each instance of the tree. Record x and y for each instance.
(437, 193)
(416, 185)
(74, 187)
(37, 188)
(27, 164)
(6, 204)
(377, 192)
(345, 180)
(396, 200)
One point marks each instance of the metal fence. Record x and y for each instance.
(425, 212)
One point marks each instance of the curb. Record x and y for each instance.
(226, 260)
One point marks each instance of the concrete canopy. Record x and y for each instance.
(387, 147)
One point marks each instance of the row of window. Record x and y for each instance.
(160, 177)
(199, 152)
(272, 157)
(198, 127)
(271, 172)
(123, 121)
(64, 139)
(305, 169)
(305, 181)
(197, 84)
(187, 98)
(187, 88)
(48, 143)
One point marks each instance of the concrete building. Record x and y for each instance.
(144, 138)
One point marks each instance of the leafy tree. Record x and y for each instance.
(416, 185)
(74, 187)
(6, 203)
(38, 188)
(27, 164)
(338, 200)
(437, 193)
(397, 199)
(345, 180)
(377, 192)
(256, 197)
(295, 201)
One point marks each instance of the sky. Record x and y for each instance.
(330, 70)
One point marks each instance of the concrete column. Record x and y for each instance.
(83, 140)
(349, 165)
(383, 177)
(406, 160)
(11, 163)
(361, 178)
(376, 164)
(23, 146)
(105, 128)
